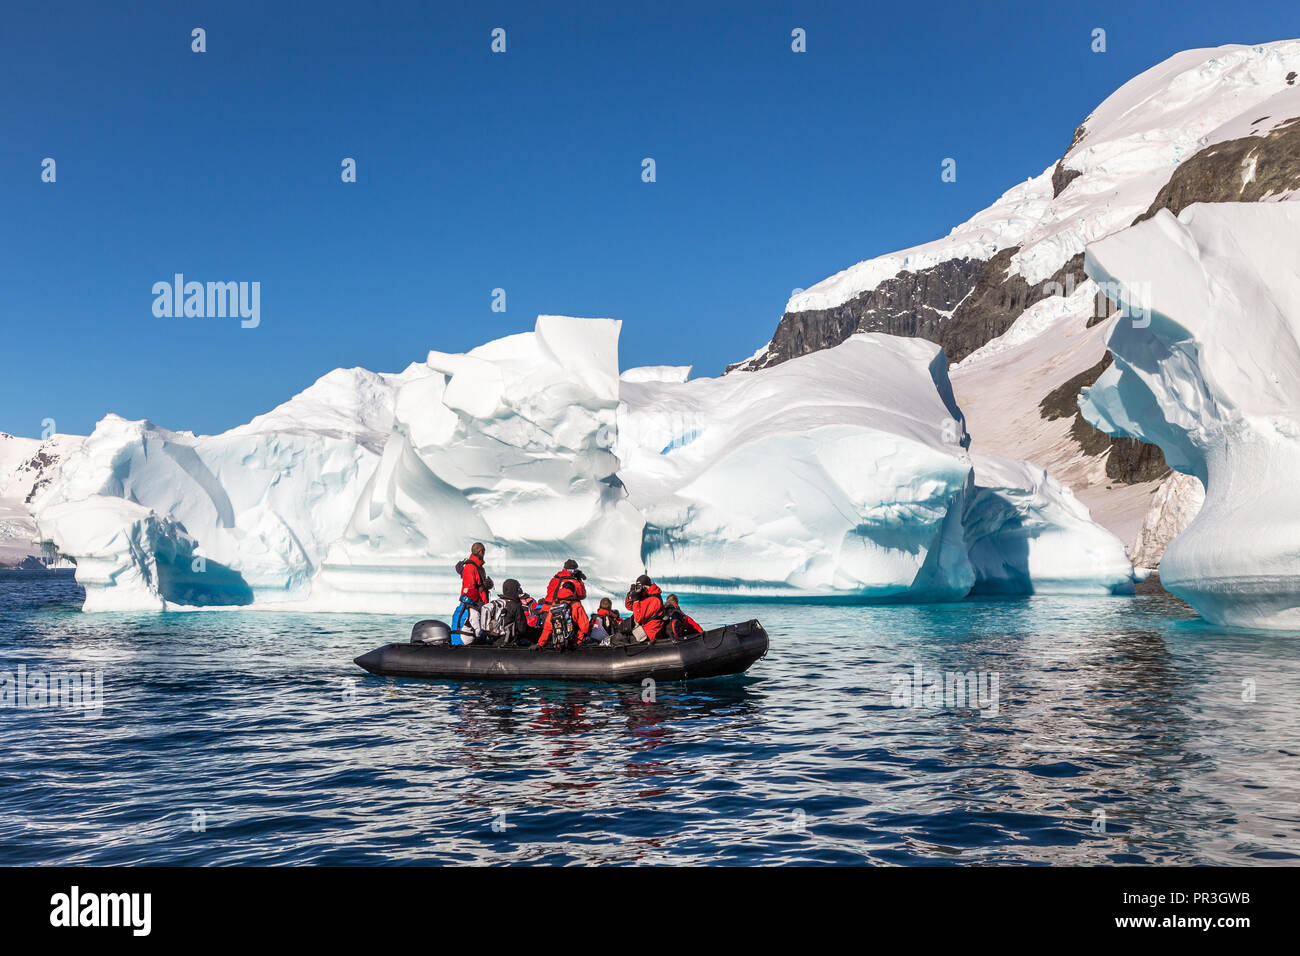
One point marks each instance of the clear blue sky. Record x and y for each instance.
(477, 171)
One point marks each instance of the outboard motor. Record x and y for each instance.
(431, 632)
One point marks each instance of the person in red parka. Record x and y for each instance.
(680, 624)
(607, 617)
(647, 607)
(569, 573)
(475, 586)
(566, 596)
(473, 579)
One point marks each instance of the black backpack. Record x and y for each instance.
(563, 630)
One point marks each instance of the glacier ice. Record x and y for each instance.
(831, 474)
(361, 492)
(845, 474)
(1210, 371)
(1027, 532)
(27, 465)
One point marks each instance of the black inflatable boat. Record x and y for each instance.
(716, 653)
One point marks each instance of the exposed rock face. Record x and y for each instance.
(997, 299)
(1062, 176)
(960, 304)
(44, 467)
(912, 304)
(1129, 461)
(1173, 507)
(1248, 169)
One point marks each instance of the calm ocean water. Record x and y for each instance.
(1121, 731)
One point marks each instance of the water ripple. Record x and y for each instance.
(1124, 732)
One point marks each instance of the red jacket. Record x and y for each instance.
(694, 623)
(608, 619)
(580, 620)
(472, 580)
(648, 611)
(565, 575)
(691, 621)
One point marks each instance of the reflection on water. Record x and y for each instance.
(1126, 731)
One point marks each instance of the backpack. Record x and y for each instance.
(494, 619)
(562, 627)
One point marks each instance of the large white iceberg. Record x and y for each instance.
(1209, 369)
(844, 474)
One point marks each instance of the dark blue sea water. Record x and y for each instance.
(1124, 732)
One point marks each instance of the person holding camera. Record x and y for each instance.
(569, 573)
(645, 602)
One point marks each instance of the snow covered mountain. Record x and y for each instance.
(1006, 295)
(361, 492)
(27, 466)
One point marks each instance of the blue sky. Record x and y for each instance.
(478, 171)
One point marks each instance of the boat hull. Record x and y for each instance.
(716, 653)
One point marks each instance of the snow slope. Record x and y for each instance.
(1214, 380)
(1123, 157)
(1123, 154)
(845, 475)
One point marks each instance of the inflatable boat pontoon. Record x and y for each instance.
(716, 653)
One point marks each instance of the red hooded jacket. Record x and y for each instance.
(472, 580)
(648, 611)
(564, 575)
(567, 595)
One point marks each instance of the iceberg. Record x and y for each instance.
(1208, 368)
(845, 474)
(838, 474)
(362, 492)
(1028, 534)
